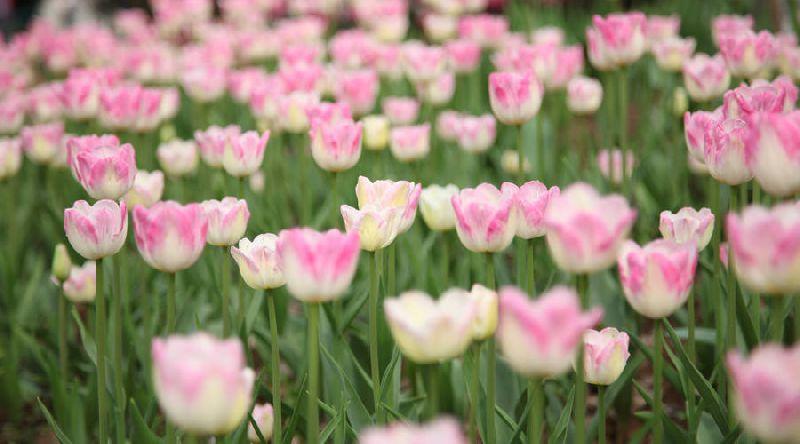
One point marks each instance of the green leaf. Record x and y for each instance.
(142, 432)
(613, 390)
(563, 421)
(86, 339)
(292, 424)
(62, 437)
(746, 322)
(672, 431)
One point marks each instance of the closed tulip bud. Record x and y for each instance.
(584, 95)
(532, 201)
(375, 132)
(747, 53)
(486, 218)
(81, 284)
(227, 220)
(766, 252)
(688, 226)
(765, 392)
(772, 149)
(436, 207)
(619, 37)
(515, 96)
(178, 157)
(400, 110)
(680, 101)
(42, 142)
(96, 231)
(585, 230)
(485, 322)
(705, 77)
(244, 153)
(170, 236)
(103, 167)
(541, 337)
(203, 384)
(335, 146)
(318, 266)
(386, 193)
(476, 134)
(258, 262)
(10, 157)
(610, 164)
(62, 265)
(147, 189)
(409, 143)
(256, 181)
(657, 278)
(509, 162)
(673, 52)
(262, 416)
(695, 126)
(438, 431)
(606, 353)
(376, 226)
(724, 151)
(429, 331)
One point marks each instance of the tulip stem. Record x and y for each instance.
(100, 334)
(658, 370)
(225, 278)
(119, 391)
(623, 127)
(531, 265)
(582, 285)
(171, 277)
(276, 368)
(474, 389)
(714, 198)
(432, 407)
(776, 320)
(520, 155)
(335, 199)
(539, 147)
(62, 334)
(305, 180)
(730, 333)
(445, 257)
(536, 410)
(373, 337)
(312, 413)
(491, 357)
(601, 414)
(691, 350)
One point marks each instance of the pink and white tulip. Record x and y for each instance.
(618, 39)
(695, 126)
(772, 151)
(104, 168)
(386, 193)
(476, 134)
(336, 147)
(463, 56)
(486, 217)
(81, 285)
(376, 226)
(42, 142)
(486, 300)
(584, 95)
(359, 89)
(724, 25)
(438, 91)
(409, 143)
(213, 141)
(515, 96)
(705, 77)
(531, 202)
(244, 153)
(605, 355)
(400, 110)
(96, 231)
(178, 157)
(437, 431)
(227, 220)
(747, 54)
(612, 165)
(170, 237)
(264, 419)
(671, 54)
(688, 226)
(436, 207)
(662, 27)
(10, 157)
(147, 189)
(258, 262)
(423, 63)
(724, 151)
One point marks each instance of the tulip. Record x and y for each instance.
(606, 353)
(204, 84)
(104, 168)
(227, 220)
(440, 27)
(10, 157)
(400, 110)
(376, 226)
(723, 25)
(436, 207)
(748, 53)
(258, 262)
(584, 95)
(688, 226)
(619, 37)
(765, 248)
(745, 101)
(96, 231)
(672, 53)
(386, 193)
(585, 230)
(80, 285)
(41, 142)
(244, 153)
(485, 322)
(771, 152)
(375, 132)
(429, 331)
(336, 147)
(515, 96)
(423, 63)
(202, 383)
(447, 125)
(724, 151)
(409, 143)
(130, 108)
(147, 189)
(439, 91)
(532, 201)
(12, 114)
(329, 113)
(765, 392)
(262, 414)
(434, 432)
(44, 102)
(541, 338)
(657, 277)
(212, 143)
(476, 134)
(509, 162)
(81, 91)
(292, 110)
(359, 89)
(484, 29)
(486, 218)
(178, 157)
(662, 27)
(463, 56)
(170, 237)
(705, 77)
(695, 126)
(611, 165)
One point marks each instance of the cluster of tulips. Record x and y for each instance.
(244, 132)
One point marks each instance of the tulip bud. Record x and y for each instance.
(386, 193)
(10, 157)
(486, 218)
(244, 153)
(541, 337)
(429, 331)
(256, 181)
(617, 39)
(515, 96)
(375, 132)
(584, 95)
(81, 285)
(62, 265)
(202, 383)
(318, 266)
(335, 146)
(409, 143)
(509, 162)
(227, 220)
(606, 352)
(170, 237)
(657, 278)
(486, 316)
(262, 415)
(680, 101)
(688, 225)
(96, 231)
(438, 431)
(178, 157)
(258, 262)
(147, 189)
(532, 201)
(436, 207)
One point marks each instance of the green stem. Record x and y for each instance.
(691, 350)
(305, 173)
(730, 331)
(601, 414)
(536, 410)
(226, 301)
(432, 390)
(62, 334)
(312, 412)
(491, 358)
(776, 319)
(171, 302)
(540, 167)
(391, 281)
(582, 284)
(531, 281)
(714, 198)
(119, 391)
(445, 260)
(623, 126)
(373, 337)
(658, 370)
(335, 215)
(100, 335)
(520, 155)
(474, 389)
(276, 368)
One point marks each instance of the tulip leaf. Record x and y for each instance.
(257, 429)
(563, 421)
(731, 437)
(669, 373)
(143, 434)
(353, 308)
(359, 415)
(86, 339)
(673, 432)
(746, 322)
(612, 391)
(62, 437)
(288, 433)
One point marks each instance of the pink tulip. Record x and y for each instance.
(241, 83)
(42, 142)
(619, 38)
(610, 163)
(705, 77)
(585, 230)
(423, 63)
(300, 54)
(10, 157)
(258, 262)
(318, 266)
(377, 226)
(532, 201)
(447, 125)
(204, 84)
(439, 27)
(605, 355)
(584, 95)
(12, 113)
(672, 53)
(104, 168)
(657, 277)
(695, 126)
(390, 194)
(409, 143)
(170, 236)
(264, 420)
(81, 285)
(724, 25)
(329, 112)
(765, 391)
(244, 153)
(336, 146)
(178, 157)
(292, 111)
(789, 61)
(476, 134)
(212, 143)
(388, 61)
(515, 96)
(203, 384)
(358, 89)
(303, 78)
(662, 27)
(81, 91)
(44, 102)
(463, 55)
(130, 108)
(790, 90)
(227, 220)
(400, 110)
(351, 49)
(147, 189)
(687, 226)
(96, 231)
(438, 431)
(486, 218)
(748, 53)
(569, 65)
(724, 151)
(773, 151)
(548, 34)
(765, 246)
(744, 101)
(484, 29)
(542, 337)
